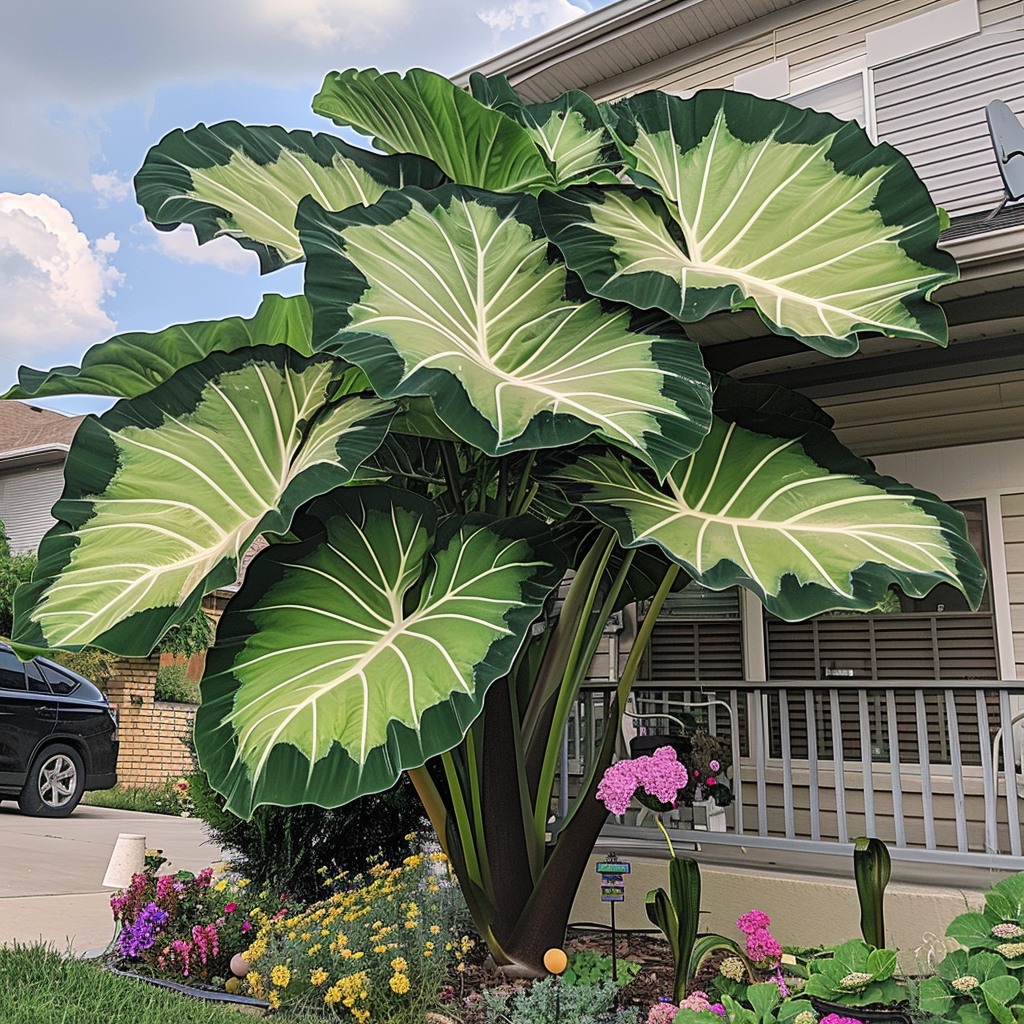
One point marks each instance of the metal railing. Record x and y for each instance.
(931, 767)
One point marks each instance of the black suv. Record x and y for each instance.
(58, 736)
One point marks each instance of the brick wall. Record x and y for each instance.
(151, 731)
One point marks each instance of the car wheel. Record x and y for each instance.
(55, 783)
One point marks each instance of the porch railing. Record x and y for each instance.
(931, 767)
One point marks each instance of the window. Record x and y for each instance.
(846, 98)
(12, 672)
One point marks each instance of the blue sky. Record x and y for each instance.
(87, 88)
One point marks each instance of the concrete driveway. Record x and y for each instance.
(51, 870)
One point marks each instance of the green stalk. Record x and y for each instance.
(501, 498)
(519, 503)
(476, 804)
(575, 611)
(433, 803)
(452, 473)
(462, 822)
(572, 677)
(626, 681)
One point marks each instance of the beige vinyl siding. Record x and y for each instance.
(26, 497)
(1012, 507)
(833, 35)
(931, 107)
(932, 415)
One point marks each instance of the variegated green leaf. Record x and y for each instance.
(132, 364)
(364, 649)
(761, 511)
(452, 294)
(246, 182)
(423, 112)
(569, 131)
(762, 205)
(165, 492)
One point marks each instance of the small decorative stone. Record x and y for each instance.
(239, 966)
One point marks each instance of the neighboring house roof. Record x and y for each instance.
(29, 433)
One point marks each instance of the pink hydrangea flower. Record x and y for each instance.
(660, 775)
(717, 1008)
(752, 921)
(697, 1001)
(834, 1018)
(762, 947)
(662, 1013)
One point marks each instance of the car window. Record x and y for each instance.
(59, 682)
(36, 682)
(12, 672)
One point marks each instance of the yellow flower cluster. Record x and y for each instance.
(389, 920)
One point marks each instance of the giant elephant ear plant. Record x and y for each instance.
(486, 384)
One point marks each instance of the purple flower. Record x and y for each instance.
(714, 766)
(834, 1018)
(717, 1008)
(752, 921)
(141, 934)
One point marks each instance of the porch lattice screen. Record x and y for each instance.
(875, 649)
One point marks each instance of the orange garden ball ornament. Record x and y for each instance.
(555, 960)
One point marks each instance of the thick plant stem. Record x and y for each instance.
(433, 804)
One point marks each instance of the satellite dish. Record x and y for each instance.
(1008, 142)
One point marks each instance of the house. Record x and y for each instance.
(34, 443)
(905, 724)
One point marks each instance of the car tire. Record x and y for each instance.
(55, 783)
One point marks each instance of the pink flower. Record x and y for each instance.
(662, 1013)
(717, 1008)
(660, 775)
(710, 780)
(230, 908)
(714, 766)
(752, 921)
(246, 925)
(697, 1001)
(762, 947)
(834, 1018)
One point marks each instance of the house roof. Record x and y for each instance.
(630, 34)
(28, 430)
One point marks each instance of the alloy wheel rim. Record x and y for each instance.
(57, 780)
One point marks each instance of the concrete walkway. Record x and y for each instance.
(51, 870)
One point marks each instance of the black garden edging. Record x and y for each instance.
(211, 994)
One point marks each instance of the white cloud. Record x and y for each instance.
(108, 244)
(53, 283)
(58, 100)
(535, 15)
(181, 246)
(111, 188)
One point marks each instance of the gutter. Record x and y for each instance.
(40, 453)
(610, 23)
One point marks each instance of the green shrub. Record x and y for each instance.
(91, 662)
(173, 684)
(159, 799)
(288, 848)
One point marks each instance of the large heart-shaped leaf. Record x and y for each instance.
(764, 205)
(569, 131)
(452, 293)
(762, 511)
(132, 364)
(246, 182)
(364, 649)
(423, 112)
(165, 492)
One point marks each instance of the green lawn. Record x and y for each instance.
(39, 986)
